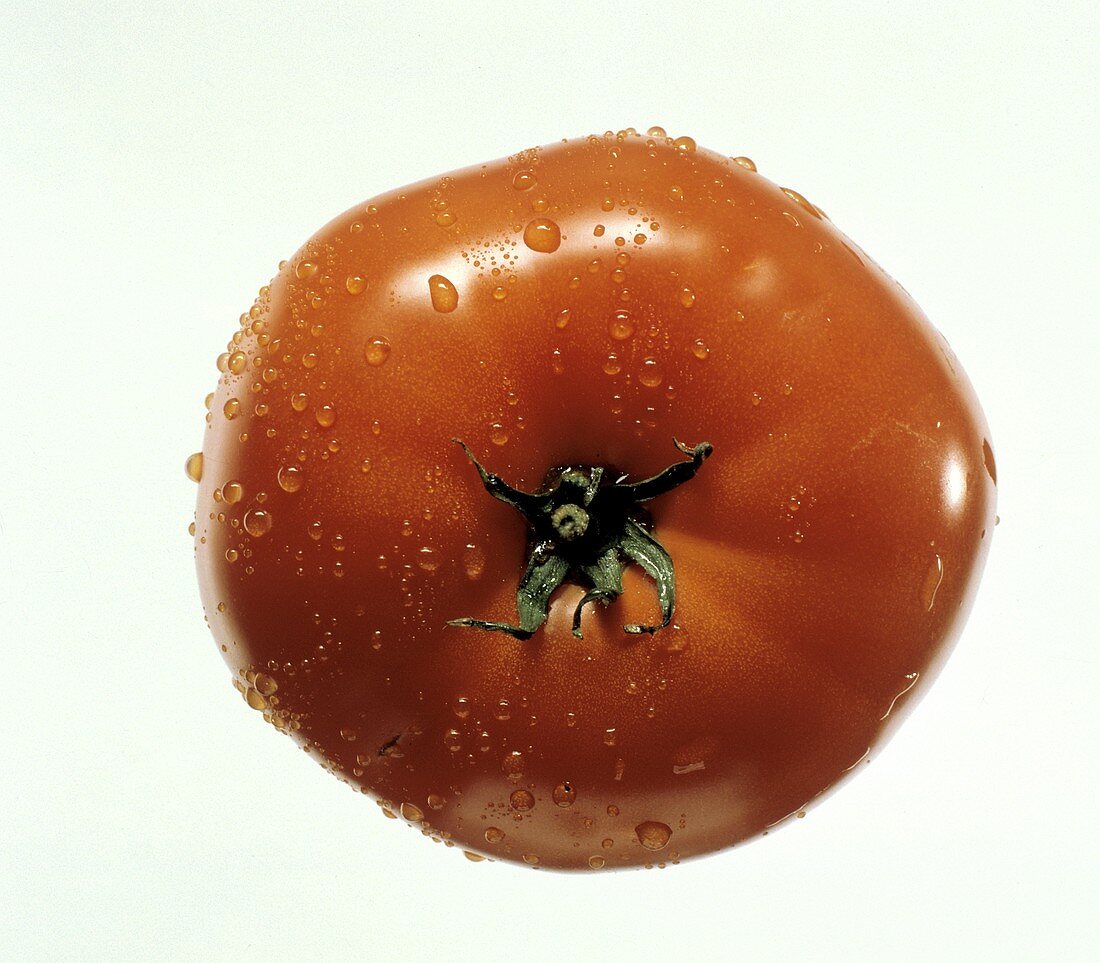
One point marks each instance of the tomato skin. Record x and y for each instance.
(826, 556)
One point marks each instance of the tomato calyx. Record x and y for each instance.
(586, 528)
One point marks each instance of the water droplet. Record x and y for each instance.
(473, 857)
(436, 801)
(326, 416)
(309, 360)
(231, 554)
(564, 795)
(498, 434)
(193, 467)
(653, 835)
(531, 859)
(503, 710)
(461, 706)
(596, 862)
(452, 739)
(990, 462)
(255, 699)
(355, 284)
(427, 560)
(377, 351)
(651, 374)
(500, 292)
(801, 201)
(745, 162)
(290, 478)
(443, 293)
(562, 319)
(657, 133)
(299, 401)
(700, 349)
(613, 810)
(231, 408)
(524, 180)
(265, 685)
(315, 531)
(542, 235)
(232, 492)
(413, 814)
(609, 737)
(613, 365)
(494, 835)
(237, 362)
(622, 326)
(305, 270)
(257, 522)
(513, 764)
(687, 297)
(608, 842)
(932, 580)
(473, 560)
(598, 230)
(445, 219)
(685, 144)
(521, 801)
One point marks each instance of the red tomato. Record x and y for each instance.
(578, 307)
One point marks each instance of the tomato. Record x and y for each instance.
(405, 610)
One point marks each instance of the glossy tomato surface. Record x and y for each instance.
(583, 304)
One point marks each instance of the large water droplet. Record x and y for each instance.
(494, 835)
(653, 835)
(443, 293)
(564, 795)
(521, 801)
(232, 492)
(651, 374)
(622, 326)
(355, 284)
(513, 764)
(193, 467)
(524, 180)
(473, 561)
(290, 478)
(257, 522)
(542, 235)
(377, 351)
(412, 813)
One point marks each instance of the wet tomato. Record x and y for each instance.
(572, 643)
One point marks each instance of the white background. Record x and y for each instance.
(157, 160)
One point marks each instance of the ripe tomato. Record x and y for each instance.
(580, 306)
